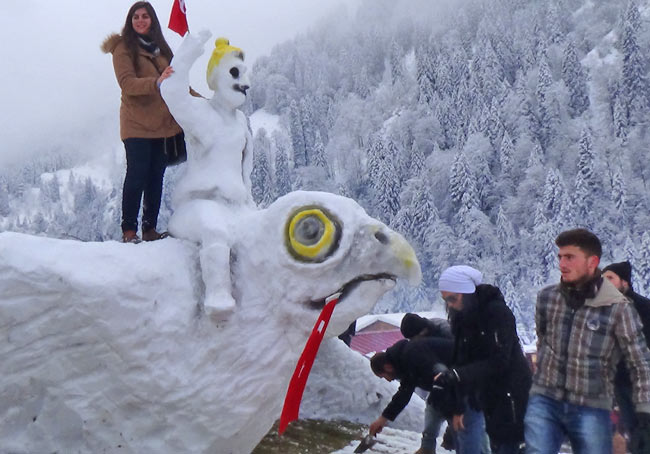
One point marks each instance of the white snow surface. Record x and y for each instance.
(263, 119)
(394, 441)
(107, 345)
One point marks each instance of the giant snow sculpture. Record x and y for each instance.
(103, 345)
(110, 347)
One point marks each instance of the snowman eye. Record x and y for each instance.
(234, 72)
(312, 234)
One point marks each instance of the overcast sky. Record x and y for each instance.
(58, 90)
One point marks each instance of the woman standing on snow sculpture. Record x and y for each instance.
(141, 58)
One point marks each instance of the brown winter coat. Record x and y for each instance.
(143, 112)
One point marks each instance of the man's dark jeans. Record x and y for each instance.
(145, 168)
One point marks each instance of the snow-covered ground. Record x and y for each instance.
(393, 441)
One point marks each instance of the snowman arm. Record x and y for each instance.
(185, 106)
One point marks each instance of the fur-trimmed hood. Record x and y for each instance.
(110, 43)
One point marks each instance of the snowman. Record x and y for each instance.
(215, 188)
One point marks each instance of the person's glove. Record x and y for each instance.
(446, 378)
(640, 442)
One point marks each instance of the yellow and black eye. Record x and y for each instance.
(312, 234)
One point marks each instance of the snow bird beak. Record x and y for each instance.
(405, 255)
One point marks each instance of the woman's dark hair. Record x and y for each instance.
(130, 37)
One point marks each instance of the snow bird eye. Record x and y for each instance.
(234, 72)
(312, 234)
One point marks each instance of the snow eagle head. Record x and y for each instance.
(226, 73)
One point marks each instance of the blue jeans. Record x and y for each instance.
(472, 439)
(145, 168)
(548, 420)
(433, 420)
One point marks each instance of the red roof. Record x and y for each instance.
(375, 341)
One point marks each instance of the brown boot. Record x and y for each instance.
(130, 236)
(152, 235)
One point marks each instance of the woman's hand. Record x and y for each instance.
(168, 71)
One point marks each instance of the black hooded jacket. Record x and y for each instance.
(414, 362)
(642, 306)
(490, 363)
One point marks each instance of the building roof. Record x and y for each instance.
(394, 319)
(376, 341)
(377, 332)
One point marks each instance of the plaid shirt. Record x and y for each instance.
(577, 350)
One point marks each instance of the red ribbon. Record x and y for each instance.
(303, 367)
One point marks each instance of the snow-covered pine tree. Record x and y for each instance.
(506, 152)
(5, 209)
(423, 211)
(417, 160)
(261, 184)
(50, 191)
(395, 60)
(586, 185)
(619, 116)
(461, 181)
(643, 265)
(575, 80)
(309, 128)
(362, 83)
(376, 153)
(634, 82)
(425, 75)
(297, 135)
(553, 194)
(386, 188)
(318, 153)
(619, 190)
(544, 250)
(548, 116)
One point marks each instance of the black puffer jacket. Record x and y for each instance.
(413, 362)
(490, 363)
(642, 306)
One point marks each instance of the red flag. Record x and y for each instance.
(178, 18)
(303, 367)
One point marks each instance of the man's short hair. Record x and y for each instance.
(581, 238)
(378, 361)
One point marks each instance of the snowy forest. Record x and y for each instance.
(479, 129)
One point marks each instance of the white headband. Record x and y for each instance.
(460, 279)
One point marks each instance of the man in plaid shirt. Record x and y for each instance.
(584, 326)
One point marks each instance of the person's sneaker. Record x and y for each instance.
(130, 236)
(152, 235)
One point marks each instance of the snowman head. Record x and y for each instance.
(226, 74)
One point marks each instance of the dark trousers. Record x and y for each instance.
(145, 168)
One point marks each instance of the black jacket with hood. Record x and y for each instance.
(490, 362)
(413, 361)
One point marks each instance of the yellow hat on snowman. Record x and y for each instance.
(221, 47)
